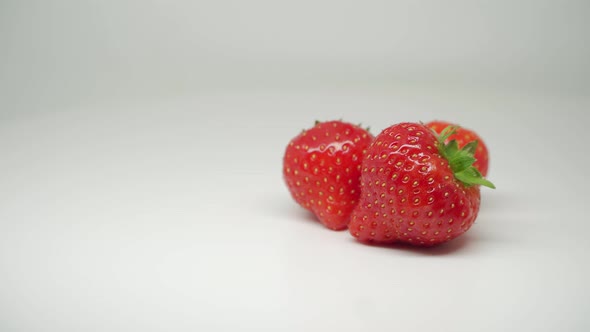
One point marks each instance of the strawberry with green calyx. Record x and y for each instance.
(463, 136)
(416, 189)
(461, 160)
(322, 168)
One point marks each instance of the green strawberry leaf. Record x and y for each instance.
(472, 176)
(446, 133)
(461, 160)
(471, 146)
(451, 149)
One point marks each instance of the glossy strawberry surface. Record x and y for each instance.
(322, 167)
(409, 192)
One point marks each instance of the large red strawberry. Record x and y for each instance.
(415, 188)
(464, 136)
(322, 168)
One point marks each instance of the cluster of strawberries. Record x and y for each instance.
(413, 183)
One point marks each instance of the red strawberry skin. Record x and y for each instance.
(409, 193)
(322, 168)
(464, 136)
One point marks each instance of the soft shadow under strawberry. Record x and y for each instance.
(458, 244)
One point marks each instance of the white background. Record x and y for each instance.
(140, 163)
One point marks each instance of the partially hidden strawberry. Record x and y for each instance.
(322, 168)
(416, 189)
(464, 136)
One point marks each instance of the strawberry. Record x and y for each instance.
(322, 168)
(464, 136)
(415, 188)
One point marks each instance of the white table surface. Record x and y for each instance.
(171, 215)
